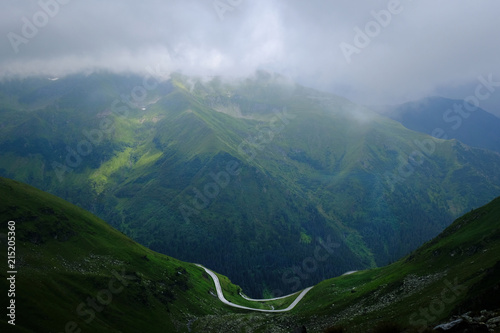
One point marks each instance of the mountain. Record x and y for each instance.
(454, 273)
(66, 258)
(75, 272)
(453, 119)
(455, 276)
(273, 184)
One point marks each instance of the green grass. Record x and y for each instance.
(232, 293)
(465, 251)
(65, 255)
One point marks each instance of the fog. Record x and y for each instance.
(373, 52)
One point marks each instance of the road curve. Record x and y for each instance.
(265, 299)
(218, 287)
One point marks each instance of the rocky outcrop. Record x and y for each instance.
(485, 321)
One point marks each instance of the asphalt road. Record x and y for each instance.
(218, 287)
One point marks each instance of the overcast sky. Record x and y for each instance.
(425, 47)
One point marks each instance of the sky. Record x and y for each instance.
(373, 52)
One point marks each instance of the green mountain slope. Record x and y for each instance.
(75, 272)
(454, 273)
(246, 177)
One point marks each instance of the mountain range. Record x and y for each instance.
(453, 119)
(75, 273)
(259, 178)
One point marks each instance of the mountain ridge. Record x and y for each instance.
(450, 118)
(68, 260)
(309, 166)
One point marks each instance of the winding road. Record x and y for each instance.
(218, 287)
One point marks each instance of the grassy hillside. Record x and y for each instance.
(66, 256)
(76, 272)
(247, 177)
(456, 272)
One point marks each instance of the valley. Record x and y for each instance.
(255, 196)
(70, 259)
(264, 166)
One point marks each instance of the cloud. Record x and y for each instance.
(422, 47)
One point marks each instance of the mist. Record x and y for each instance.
(372, 52)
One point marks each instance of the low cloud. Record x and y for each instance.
(423, 48)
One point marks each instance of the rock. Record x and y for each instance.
(495, 321)
(461, 326)
(468, 318)
(448, 326)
